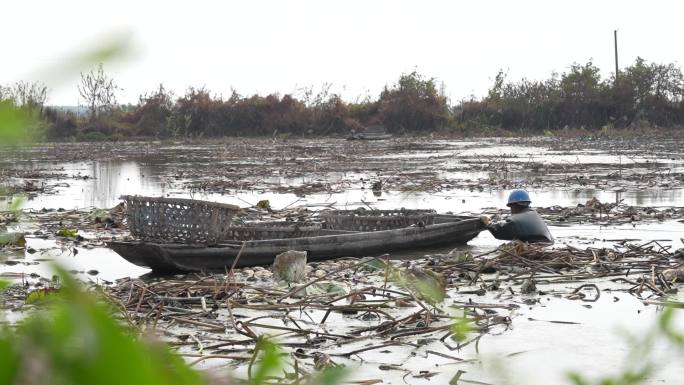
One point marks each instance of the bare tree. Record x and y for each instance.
(30, 95)
(4, 93)
(98, 89)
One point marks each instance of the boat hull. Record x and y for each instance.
(178, 257)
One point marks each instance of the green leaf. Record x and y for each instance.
(577, 379)
(270, 361)
(17, 203)
(665, 322)
(330, 288)
(374, 265)
(456, 377)
(264, 204)
(76, 341)
(15, 123)
(41, 295)
(115, 48)
(69, 233)
(628, 377)
(332, 375)
(99, 214)
(9, 359)
(430, 289)
(460, 329)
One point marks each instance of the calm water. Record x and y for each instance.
(107, 180)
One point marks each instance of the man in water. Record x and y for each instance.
(524, 224)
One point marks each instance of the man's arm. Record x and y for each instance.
(504, 230)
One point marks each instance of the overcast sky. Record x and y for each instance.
(358, 46)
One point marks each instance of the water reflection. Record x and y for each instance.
(115, 178)
(100, 183)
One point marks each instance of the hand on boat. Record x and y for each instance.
(485, 219)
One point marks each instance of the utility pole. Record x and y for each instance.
(616, 55)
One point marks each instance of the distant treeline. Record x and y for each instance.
(643, 95)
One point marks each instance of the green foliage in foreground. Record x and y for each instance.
(627, 378)
(14, 123)
(75, 340)
(42, 295)
(665, 324)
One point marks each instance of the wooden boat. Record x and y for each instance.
(320, 244)
(371, 133)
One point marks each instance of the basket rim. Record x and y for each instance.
(377, 213)
(179, 200)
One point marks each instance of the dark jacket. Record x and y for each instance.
(526, 226)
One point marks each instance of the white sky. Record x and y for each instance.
(358, 46)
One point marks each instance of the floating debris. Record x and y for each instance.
(290, 266)
(387, 303)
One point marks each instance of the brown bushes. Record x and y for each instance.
(644, 95)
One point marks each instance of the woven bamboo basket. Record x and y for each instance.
(376, 220)
(175, 220)
(273, 230)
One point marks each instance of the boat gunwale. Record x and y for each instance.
(259, 242)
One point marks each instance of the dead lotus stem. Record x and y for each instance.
(213, 356)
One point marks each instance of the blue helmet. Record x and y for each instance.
(518, 196)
